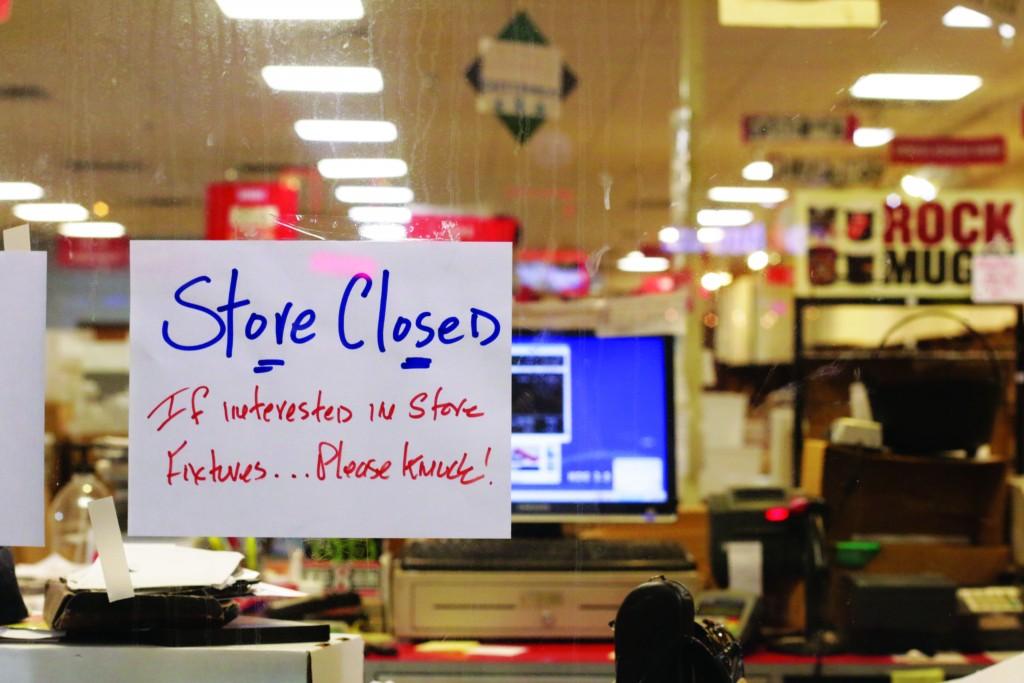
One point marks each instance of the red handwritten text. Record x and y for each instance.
(420, 467)
(286, 410)
(213, 472)
(439, 408)
(328, 454)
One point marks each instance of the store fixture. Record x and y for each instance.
(800, 364)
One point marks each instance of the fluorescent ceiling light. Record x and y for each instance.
(710, 235)
(668, 235)
(293, 10)
(757, 260)
(380, 214)
(924, 87)
(50, 212)
(748, 195)
(351, 79)
(964, 17)
(919, 187)
(93, 230)
(636, 262)
(872, 137)
(1007, 31)
(362, 168)
(385, 232)
(758, 170)
(372, 194)
(329, 130)
(13, 192)
(724, 217)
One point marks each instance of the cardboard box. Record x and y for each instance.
(873, 493)
(337, 661)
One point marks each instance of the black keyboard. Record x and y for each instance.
(559, 554)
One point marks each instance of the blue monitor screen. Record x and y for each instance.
(591, 420)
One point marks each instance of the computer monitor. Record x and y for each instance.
(593, 435)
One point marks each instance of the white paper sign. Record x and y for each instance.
(320, 389)
(520, 77)
(998, 279)
(23, 312)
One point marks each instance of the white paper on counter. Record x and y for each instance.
(155, 565)
(1007, 670)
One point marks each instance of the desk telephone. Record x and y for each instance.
(990, 600)
(992, 617)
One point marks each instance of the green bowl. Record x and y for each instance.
(856, 554)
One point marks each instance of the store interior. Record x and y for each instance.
(766, 330)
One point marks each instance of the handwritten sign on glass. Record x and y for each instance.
(320, 389)
(23, 311)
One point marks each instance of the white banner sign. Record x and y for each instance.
(867, 244)
(320, 389)
(22, 343)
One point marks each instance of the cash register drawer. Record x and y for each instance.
(512, 604)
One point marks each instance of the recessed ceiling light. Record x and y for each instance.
(748, 195)
(380, 214)
(50, 212)
(350, 79)
(1007, 31)
(636, 262)
(919, 187)
(921, 87)
(724, 217)
(332, 130)
(19, 192)
(385, 232)
(873, 137)
(758, 170)
(964, 17)
(713, 281)
(292, 10)
(373, 194)
(92, 229)
(668, 235)
(362, 168)
(757, 260)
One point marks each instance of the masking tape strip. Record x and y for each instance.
(17, 239)
(113, 561)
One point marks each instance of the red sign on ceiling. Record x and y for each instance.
(463, 228)
(948, 151)
(5, 10)
(250, 211)
(92, 253)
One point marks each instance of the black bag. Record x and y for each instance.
(935, 405)
(658, 641)
(12, 607)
